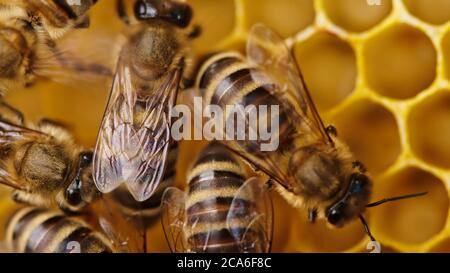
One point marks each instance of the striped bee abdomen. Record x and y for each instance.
(215, 213)
(227, 80)
(149, 210)
(36, 230)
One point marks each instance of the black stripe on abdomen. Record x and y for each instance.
(214, 70)
(43, 232)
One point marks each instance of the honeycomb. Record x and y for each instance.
(379, 73)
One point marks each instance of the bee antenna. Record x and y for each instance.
(396, 198)
(366, 228)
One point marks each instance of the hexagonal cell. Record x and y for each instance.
(319, 237)
(283, 224)
(399, 62)
(329, 67)
(156, 239)
(411, 221)
(371, 133)
(68, 105)
(434, 12)
(429, 129)
(356, 15)
(217, 19)
(441, 247)
(445, 47)
(287, 17)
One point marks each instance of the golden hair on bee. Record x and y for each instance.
(37, 230)
(311, 167)
(29, 31)
(43, 164)
(154, 64)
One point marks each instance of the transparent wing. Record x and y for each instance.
(10, 132)
(134, 137)
(250, 217)
(267, 50)
(271, 163)
(173, 219)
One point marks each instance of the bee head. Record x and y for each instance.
(174, 12)
(353, 203)
(82, 191)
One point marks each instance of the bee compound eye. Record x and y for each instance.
(181, 15)
(73, 195)
(334, 216)
(144, 10)
(358, 182)
(85, 159)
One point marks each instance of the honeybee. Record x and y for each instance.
(134, 137)
(311, 166)
(44, 165)
(28, 34)
(38, 230)
(220, 211)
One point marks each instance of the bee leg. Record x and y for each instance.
(21, 197)
(85, 23)
(312, 215)
(12, 110)
(121, 11)
(195, 32)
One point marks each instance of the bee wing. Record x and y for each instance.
(267, 50)
(250, 217)
(135, 151)
(10, 132)
(173, 219)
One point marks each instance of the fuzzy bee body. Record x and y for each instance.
(312, 167)
(28, 34)
(220, 211)
(43, 164)
(227, 79)
(155, 62)
(36, 230)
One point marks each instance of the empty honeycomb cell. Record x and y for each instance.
(326, 54)
(216, 19)
(446, 52)
(283, 224)
(434, 12)
(156, 241)
(356, 15)
(411, 221)
(371, 133)
(319, 237)
(399, 62)
(65, 104)
(429, 129)
(287, 17)
(441, 247)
